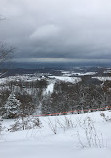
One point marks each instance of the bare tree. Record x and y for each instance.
(5, 51)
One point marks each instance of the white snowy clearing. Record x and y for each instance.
(84, 74)
(27, 78)
(103, 78)
(68, 73)
(107, 71)
(49, 89)
(53, 80)
(66, 79)
(77, 135)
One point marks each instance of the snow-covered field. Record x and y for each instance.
(107, 71)
(68, 73)
(30, 78)
(66, 79)
(84, 74)
(78, 135)
(18, 78)
(103, 78)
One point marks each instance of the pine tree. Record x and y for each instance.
(12, 106)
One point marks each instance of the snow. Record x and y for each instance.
(17, 78)
(29, 78)
(53, 79)
(84, 74)
(49, 89)
(12, 105)
(103, 78)
(107, 71)
(67, 79)
(68, 73)
(43, 143)
(28, 149)
(65, 72)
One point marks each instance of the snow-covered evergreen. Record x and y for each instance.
(12, 106)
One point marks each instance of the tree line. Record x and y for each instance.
(28, 98)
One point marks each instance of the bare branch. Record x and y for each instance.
(5, 53)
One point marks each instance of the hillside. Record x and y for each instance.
(78, 135)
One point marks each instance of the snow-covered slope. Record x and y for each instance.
(103, 78)
(49, 88)
(18, 78)
(77, 135)
(69, 73)
(66, 79)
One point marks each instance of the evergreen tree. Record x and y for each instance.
(12, 106)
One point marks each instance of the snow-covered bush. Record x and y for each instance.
(66, 123)
(89, 137)
(25, 123)
(106, 118)
(16, 126)
(53, 126)
(69, 123)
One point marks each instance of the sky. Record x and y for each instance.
(57, 30)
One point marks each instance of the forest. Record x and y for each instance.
(27, 98)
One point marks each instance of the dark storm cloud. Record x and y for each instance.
(75, 29)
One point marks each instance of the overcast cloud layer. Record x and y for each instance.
(73, 29)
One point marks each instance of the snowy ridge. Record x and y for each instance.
(66, 79)
(68, 73)
(103, 78)
(18, 78)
